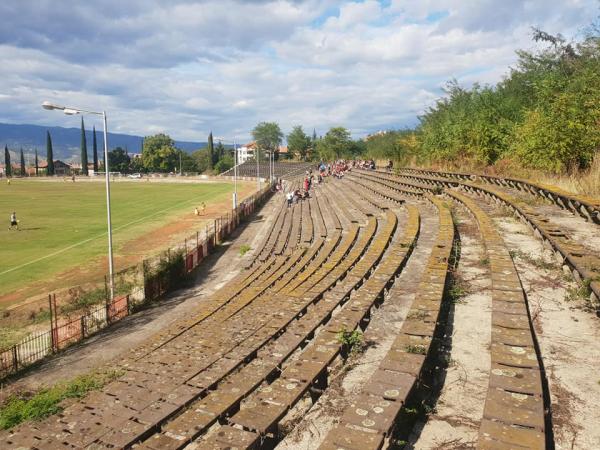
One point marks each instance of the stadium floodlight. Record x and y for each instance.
(73, 111)
(48, 105)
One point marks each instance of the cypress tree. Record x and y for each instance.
(211, 152)
(49, 155)
(7, 166)
(37, 166)
(95, 150)
(84, 155)
(22, 163)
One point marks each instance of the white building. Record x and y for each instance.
(246, 152)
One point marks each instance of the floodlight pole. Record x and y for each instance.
(71, 111)
(108, 216)
(235, 158)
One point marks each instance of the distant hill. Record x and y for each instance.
(66, 141)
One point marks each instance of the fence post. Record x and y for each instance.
(128, 305)
(83, 333)
(144, 267)
(52, 343)
(106, 301)
(15, 357)
(196, 240)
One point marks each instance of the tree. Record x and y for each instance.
(22, 171)
(202, 160)
(118, 160)
(159, 153)
(37, 165)
(543, 116)
(335, 144)
(7, 165)
(268, 137)
(299, 143)
(136, 165)
(224, 164)
(84, 155)
(398, 145)
(220, 151)
(95, 150)
(211, 152)
(49, 155)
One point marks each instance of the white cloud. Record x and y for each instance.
(189, 67)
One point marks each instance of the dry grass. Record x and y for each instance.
(582, 182)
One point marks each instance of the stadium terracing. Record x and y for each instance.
(231, 374)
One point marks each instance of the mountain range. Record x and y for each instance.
(66, 141)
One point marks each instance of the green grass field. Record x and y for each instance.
(63, 224)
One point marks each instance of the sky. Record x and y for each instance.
(188, 67)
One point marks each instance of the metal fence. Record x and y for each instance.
(67, 331)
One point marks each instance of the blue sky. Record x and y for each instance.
(187, 67)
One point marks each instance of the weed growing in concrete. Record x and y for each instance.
(416, 349)
(580, 293)
(351, 340)
(244, 248)
(419, 315)
(437, 190)
(457, 291)
(539, 263)
(46, 402)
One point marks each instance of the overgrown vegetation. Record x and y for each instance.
(170, 270)
(542, 116)
(46, 402)
(351, 340)
(244, 248)
(80, 299)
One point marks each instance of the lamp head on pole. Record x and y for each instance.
(50, 106)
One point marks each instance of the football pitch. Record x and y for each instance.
(63, 224)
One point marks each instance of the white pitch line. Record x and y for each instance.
(58, 252)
